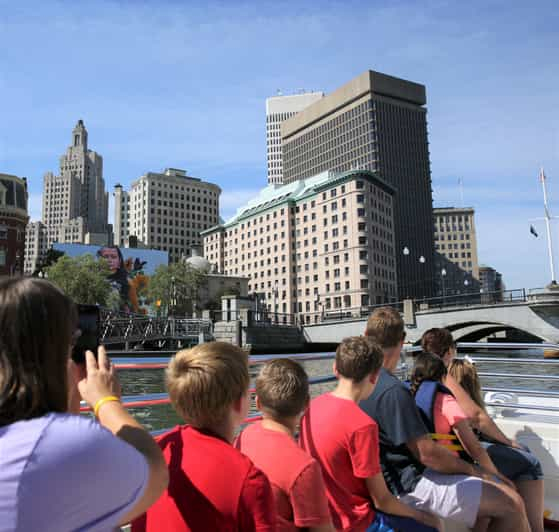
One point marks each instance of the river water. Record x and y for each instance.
(158, 417)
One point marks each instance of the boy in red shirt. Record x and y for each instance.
(282, 393)
(212, 486)
(344, 440)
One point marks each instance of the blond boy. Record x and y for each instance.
(212, 485)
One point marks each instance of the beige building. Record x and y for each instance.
(35, 245)
(378, 123)
(455, 237)
(78, 192)
(314, 247)
(165, 211)
(75, 203)
(279, 109)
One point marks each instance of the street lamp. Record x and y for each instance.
(443, 275)
(276, 301)
(422, 260)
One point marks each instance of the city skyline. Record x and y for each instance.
(492, 114)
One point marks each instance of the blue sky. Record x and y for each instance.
(183, 84)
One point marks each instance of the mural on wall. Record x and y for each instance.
(130, 270)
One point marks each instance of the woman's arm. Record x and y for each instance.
(471, 445)
(478, 416)
(100, 382)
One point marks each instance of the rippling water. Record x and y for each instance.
(136, 382)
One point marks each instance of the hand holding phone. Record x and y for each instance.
(88, 332)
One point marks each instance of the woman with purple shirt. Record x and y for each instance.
(58, 470)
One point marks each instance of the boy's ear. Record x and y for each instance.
(258, 403)
(373, 377)
(335, 370)
(237, 406)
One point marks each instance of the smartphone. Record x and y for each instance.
(88, 324)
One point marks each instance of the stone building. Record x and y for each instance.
(78, 192)
(491, 281)
(13, 219)
(375, 122)
(75, 203)
(35, 245)
(457, 268)
(165, 211)
(278, 109)
(315, 247)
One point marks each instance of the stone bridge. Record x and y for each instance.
(536, 314)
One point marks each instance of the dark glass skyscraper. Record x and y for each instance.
(374, 122)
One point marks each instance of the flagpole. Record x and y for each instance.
(547, 226)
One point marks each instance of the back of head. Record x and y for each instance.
(427, 367)
(385, 327)
(465, 374)
(357, 357)
(282, 387)
(37, 322)
(437, 341)
(205, 381)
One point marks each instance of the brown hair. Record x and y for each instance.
(37, 322)
(385, 326)
(205, 381)
(282, 386)
(427, 367)
(466, 376)
(357, 357)
(437, 341)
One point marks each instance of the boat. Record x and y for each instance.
(529, 415)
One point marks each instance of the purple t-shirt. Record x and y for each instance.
(64, 472)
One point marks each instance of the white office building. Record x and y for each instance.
(278, 109)
(165, 211)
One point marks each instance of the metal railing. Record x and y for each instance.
(137, 328)
(255, 318)
(154, 399)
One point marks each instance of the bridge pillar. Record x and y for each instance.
(409, 313)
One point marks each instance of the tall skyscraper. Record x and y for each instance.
(278, 109)
(378, 123)
(13, 219)
(75, 203)
(165, 211)
(78, 192)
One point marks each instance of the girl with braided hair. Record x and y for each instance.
(442, 414)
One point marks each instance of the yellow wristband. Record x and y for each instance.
(102, 401)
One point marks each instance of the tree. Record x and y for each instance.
(176, 288)
(84, 280)
(51, 256)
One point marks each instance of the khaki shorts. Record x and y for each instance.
(454, 497)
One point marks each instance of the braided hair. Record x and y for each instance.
(427, 367)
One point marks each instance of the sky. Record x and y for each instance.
(183, 84)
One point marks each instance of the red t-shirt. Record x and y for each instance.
(344, 440)
(295, 476)
(212, 486)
